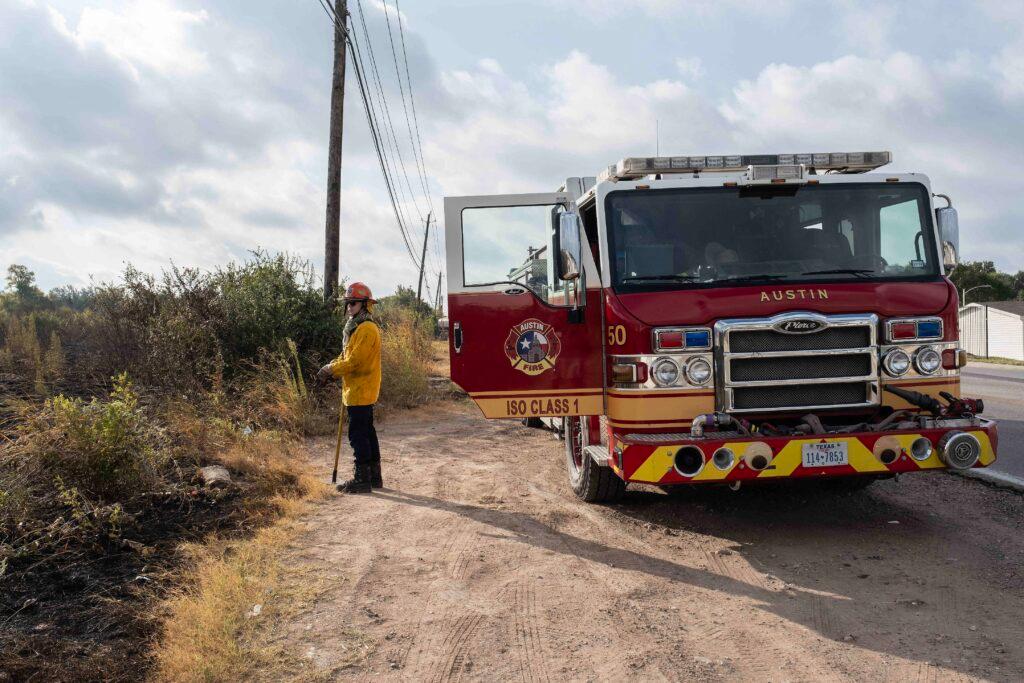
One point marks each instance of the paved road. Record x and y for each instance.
(1002, 387)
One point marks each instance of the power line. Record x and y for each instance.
(375, 136)
(360, 78)
(401, 90)
(417, 145)
(412, 103)
(389, 128)
(376, 127)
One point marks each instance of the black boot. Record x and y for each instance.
(360, 481)
(376, 481)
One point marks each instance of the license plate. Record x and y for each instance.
(825, 454)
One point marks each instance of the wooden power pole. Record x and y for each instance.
(332, 236)
(423, 261)
(439, 308)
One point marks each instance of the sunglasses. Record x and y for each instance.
(352, 303)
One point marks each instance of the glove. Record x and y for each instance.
(324, 375)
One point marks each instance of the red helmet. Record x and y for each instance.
(357, 291)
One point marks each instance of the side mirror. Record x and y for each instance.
(570, 248)
(949, 233)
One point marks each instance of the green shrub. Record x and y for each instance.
(105, 449)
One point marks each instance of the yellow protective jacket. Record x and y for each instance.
(359, 366)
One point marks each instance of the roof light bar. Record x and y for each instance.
(848, 162)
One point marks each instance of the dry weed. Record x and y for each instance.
(210, 631)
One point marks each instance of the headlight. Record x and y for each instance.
(665, 372)
(927, 360)
(698, 371)
(897, 362)
(921, 448)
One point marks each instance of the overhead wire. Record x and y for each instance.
(389, 136)
(412, 104)
(440, 263)
(370, 118)
(432, 265)
(382, 98)
(417, 152)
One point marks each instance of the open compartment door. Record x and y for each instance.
(523, 342)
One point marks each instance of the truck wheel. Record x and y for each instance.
(589, 481)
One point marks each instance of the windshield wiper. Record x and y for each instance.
(859, 272)
(751, 278)
(655, 278)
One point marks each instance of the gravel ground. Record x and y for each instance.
(477, 563)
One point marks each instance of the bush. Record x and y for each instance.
(405, 353)
(106, 449)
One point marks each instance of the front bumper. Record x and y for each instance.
(650, 458)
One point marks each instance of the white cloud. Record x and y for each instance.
(195, 136)
(690, 68)
(946, 120)
(147, 34)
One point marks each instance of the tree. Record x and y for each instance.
(404, 298)
(22, 295)
(1001, 286)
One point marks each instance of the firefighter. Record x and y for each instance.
(359, 367)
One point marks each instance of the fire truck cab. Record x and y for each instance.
(719, 319)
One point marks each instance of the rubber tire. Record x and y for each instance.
(589, 481)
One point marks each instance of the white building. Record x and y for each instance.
(993, 328)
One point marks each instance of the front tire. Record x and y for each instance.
(589, 481)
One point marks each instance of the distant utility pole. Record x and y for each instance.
(423, 260)
(332, 236)
(438, 306)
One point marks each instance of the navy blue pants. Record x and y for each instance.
(362, 435)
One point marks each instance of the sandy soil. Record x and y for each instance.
(477, 563)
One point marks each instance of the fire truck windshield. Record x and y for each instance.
(718, 236)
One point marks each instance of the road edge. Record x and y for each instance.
(999, 479)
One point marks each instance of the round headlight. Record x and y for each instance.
(921, 448)
(665, 372)
(927, 360)
(897, 362)
(698, 371)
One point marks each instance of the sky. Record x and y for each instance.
(168, 131)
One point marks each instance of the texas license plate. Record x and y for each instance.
(825, 454)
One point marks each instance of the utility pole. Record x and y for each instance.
(423, 260)
(332, 236)
(438, 306)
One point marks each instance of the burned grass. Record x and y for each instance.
(91, 538)
(110, 545)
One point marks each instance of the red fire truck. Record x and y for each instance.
(719, 319)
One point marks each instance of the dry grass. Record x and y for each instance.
(210, 632)
(995, 360)
(438, 366)
(405, 352)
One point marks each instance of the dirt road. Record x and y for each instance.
(476, 563)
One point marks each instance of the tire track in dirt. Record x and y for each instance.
(482, 566)
(533, 662)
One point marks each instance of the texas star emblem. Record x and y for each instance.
(532, 347)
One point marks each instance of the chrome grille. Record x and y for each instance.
(763, 369)
(785, 397)
(745, 341)
(799, 367)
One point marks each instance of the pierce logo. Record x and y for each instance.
(799, 326)
(532, 347)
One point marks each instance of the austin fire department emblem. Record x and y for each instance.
(532, 347)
